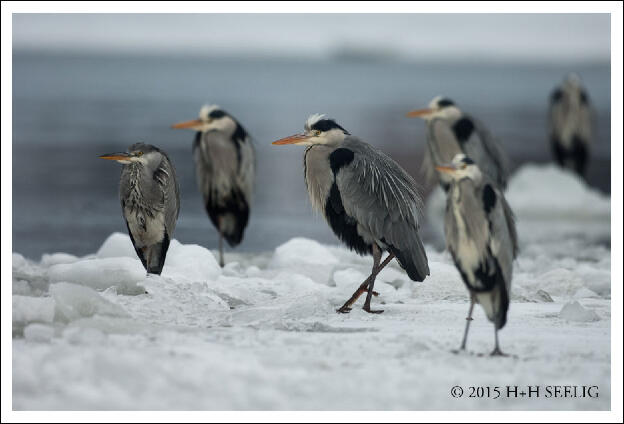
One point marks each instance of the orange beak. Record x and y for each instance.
(418, 113)
(291, 140)
(116, 156)
(445, 169)
(187, 124)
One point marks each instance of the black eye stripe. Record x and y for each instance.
(445, 102)
(216, 114)
(326, 125)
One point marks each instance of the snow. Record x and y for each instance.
(262, 333)
(574, 311)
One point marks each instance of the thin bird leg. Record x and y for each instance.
(376, 270)
(346, 308)
(364, 286)
(221, 261)
(496, 351)
(468, 319)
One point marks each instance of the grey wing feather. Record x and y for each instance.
(247, 168)
(495, 163)
(442, 143)
(384, 200)
(166, 178)
(503, 238)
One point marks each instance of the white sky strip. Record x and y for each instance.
(526, 37)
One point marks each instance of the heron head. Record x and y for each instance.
(318, 129)
(142, 153)
(573, 80)
(461, 167)
(439, 107)
(211, 117)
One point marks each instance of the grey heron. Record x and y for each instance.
(451, 131)
(225, 169)
(570, 119)
(150, 201)
(368, 200)
(481, 237)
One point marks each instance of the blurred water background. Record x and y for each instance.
(68, 108)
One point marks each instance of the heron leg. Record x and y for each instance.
(221, 261)
(366, 306)
(366, 285)
(496, 351)
(468, 319)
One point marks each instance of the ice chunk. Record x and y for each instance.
(349, 278)
(543, 296)
(21, 287)
(99, 274)
(306, 257)
(117, 245)
(74, 301)
(191, 261)
(585, 293)
(574, 311)
(39, 332)
(19, 262)
(557, 282)
(28, 309)
(49, 259)
(549, 192)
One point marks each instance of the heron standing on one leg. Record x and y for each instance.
(225, 170)
(368, 200)
(449, 132)
(150, 201)
(481, 237)
(571, 125)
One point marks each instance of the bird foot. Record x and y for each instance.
(371, 311)
(498, 352)
(346, 308)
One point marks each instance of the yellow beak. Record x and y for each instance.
(445, 169)
(116, 156)
(419, 113)
(192, 124)
(291, 140)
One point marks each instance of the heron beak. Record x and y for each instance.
(192, 124)
(116, 156)
(293, 139)
(446, 169)
(419, 113)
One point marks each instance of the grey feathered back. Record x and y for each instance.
(154, 189)
(385, 201)
(570, 114)
(492, 232)
(481, 146)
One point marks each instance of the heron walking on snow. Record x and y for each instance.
(449, 132)
(481, 237)
(368, 200)
(225, 170)
(571, 125)
(150, 201)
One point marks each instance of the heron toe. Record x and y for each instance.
(372, 311)
(498, 352)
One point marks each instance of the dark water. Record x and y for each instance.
(69, 109)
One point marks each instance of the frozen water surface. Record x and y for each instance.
(95, 332)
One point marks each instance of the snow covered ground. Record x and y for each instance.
(262, 333)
